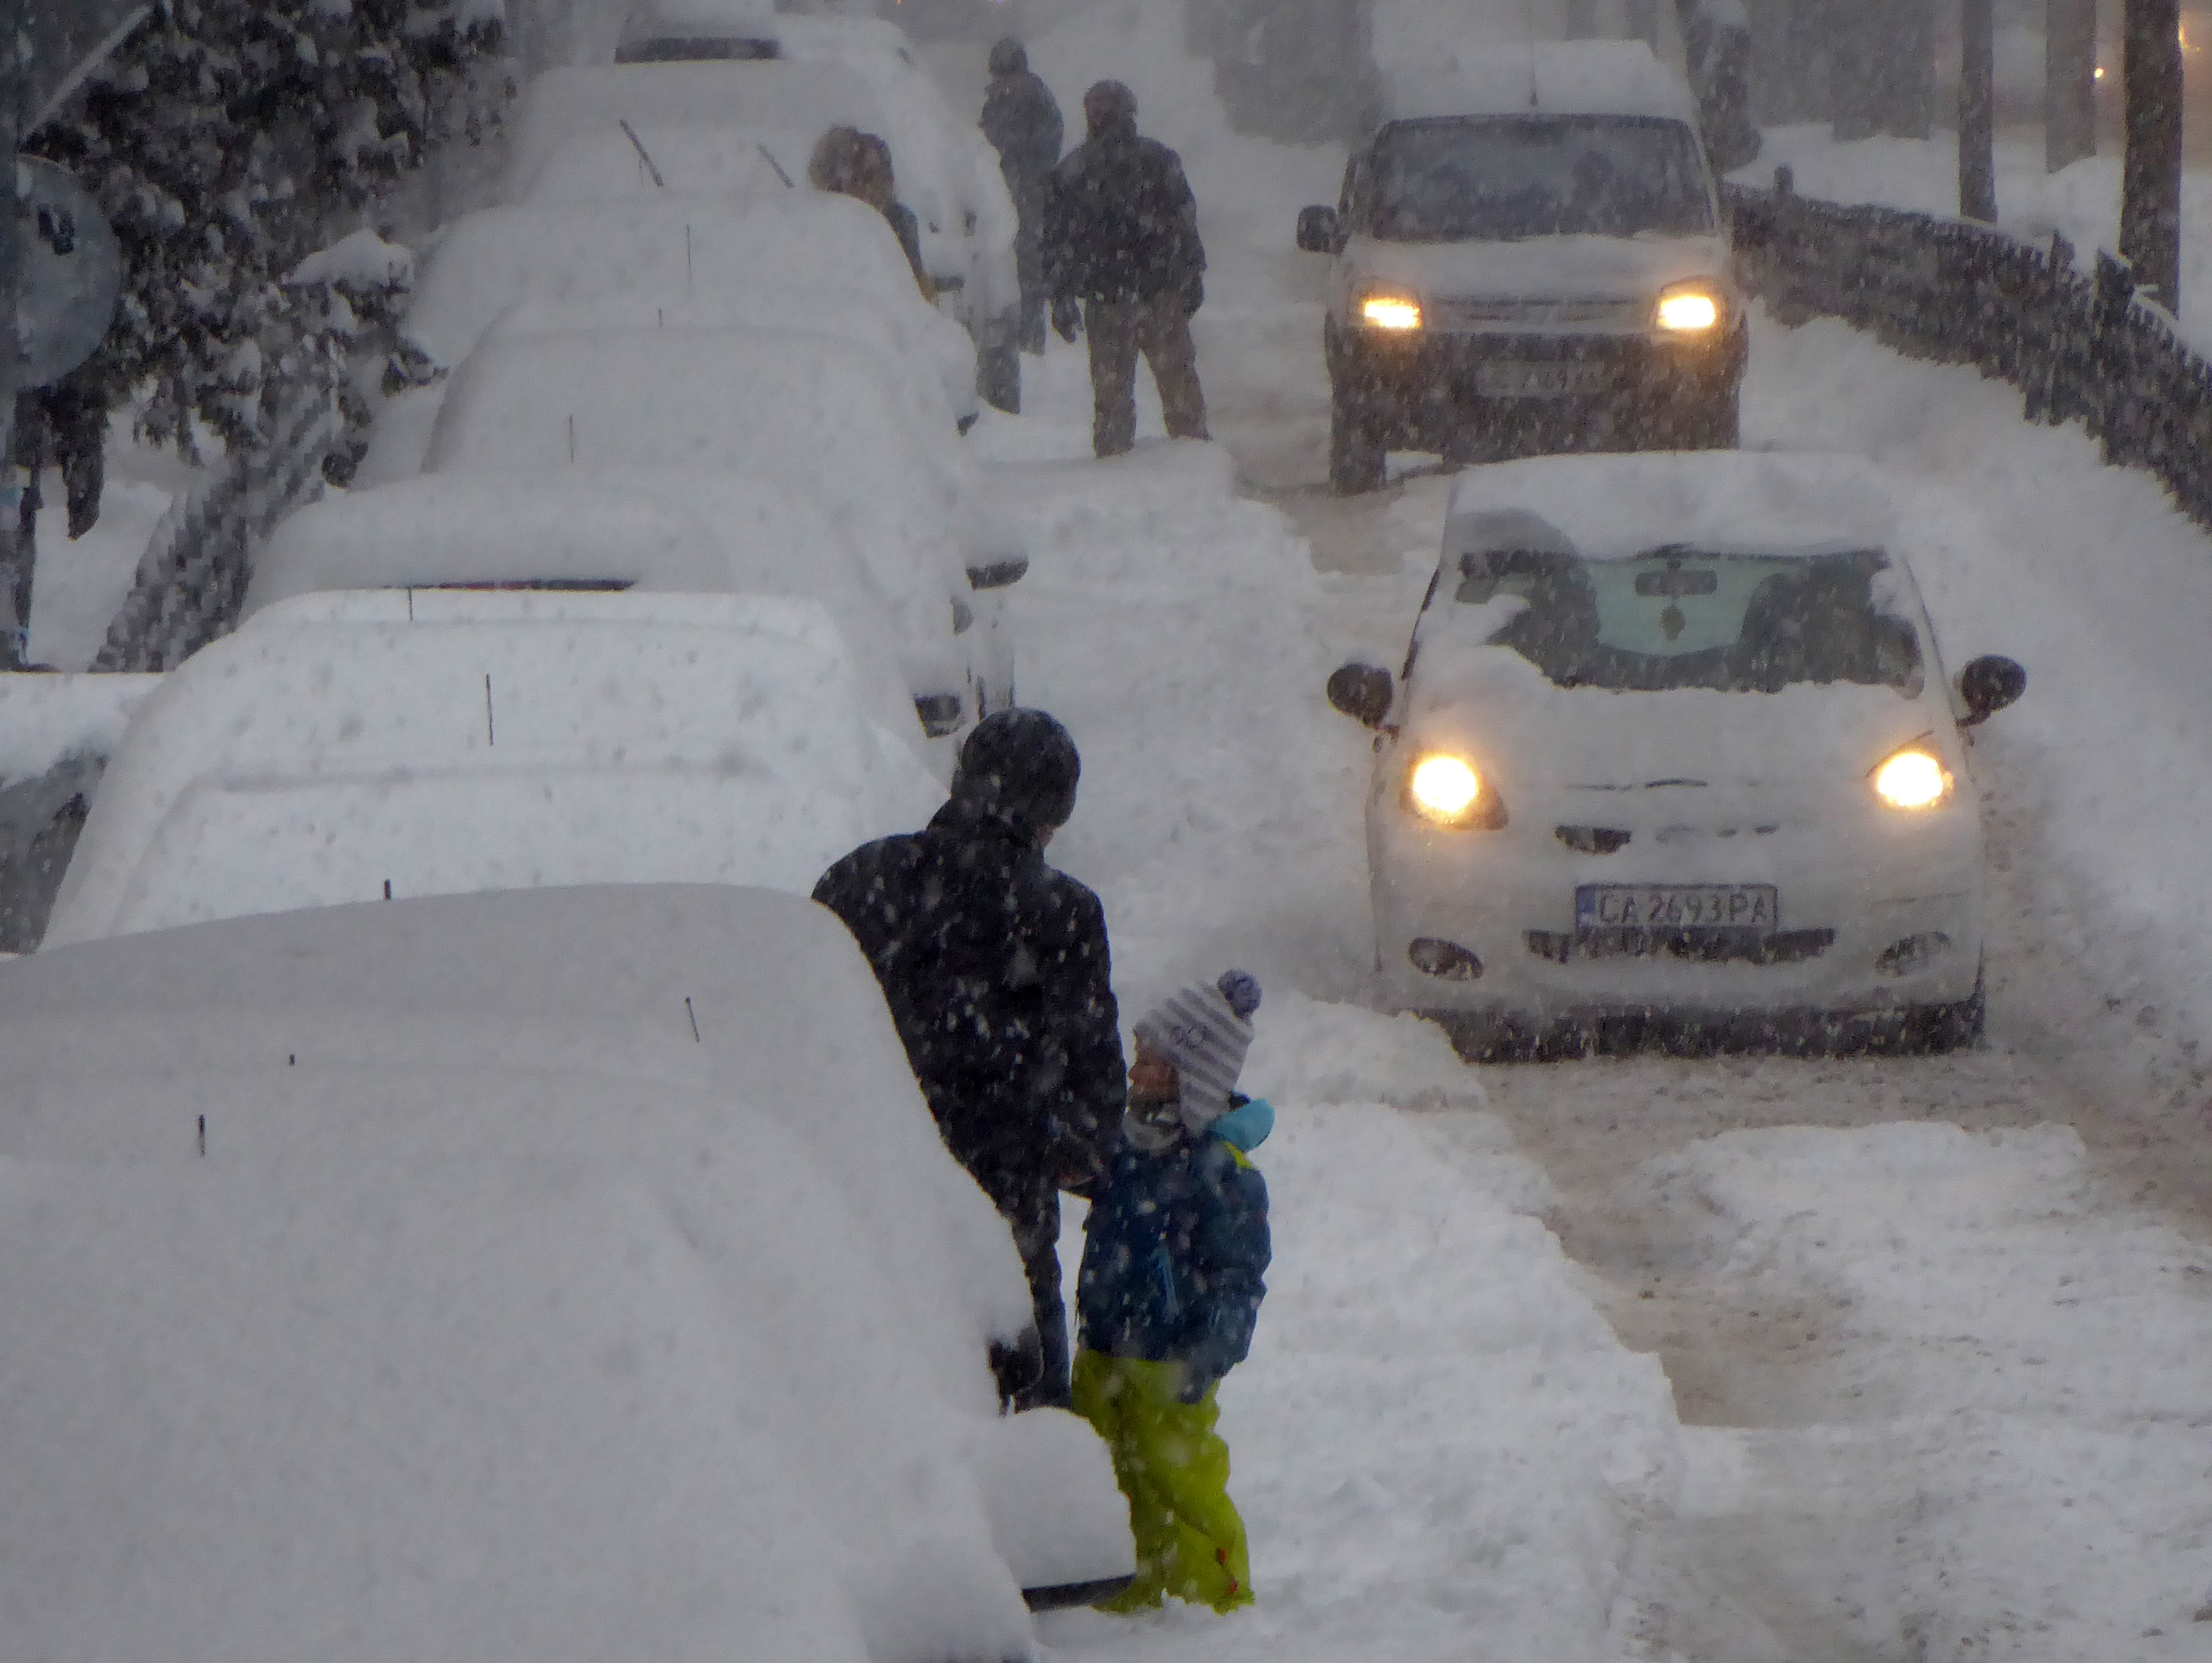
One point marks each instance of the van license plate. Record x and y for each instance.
(1677, 906)
(1537, 381)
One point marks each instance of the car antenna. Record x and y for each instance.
(770, 156)
(1528, 41)
(643, 155)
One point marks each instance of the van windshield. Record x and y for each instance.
(1503, 178)
(1679, 617)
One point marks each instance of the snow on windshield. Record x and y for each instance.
(1510, 177)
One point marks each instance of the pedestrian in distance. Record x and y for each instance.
(1021, 120)
(996, 970)
(1174, 1252)
(852, 163)
(1123, 258)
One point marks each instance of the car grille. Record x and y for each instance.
(1537, 313)
(1710, 947)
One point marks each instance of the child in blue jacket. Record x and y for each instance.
(1174, 1252)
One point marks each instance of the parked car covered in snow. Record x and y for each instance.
(781, 405)
(360, 747)
(644, 260)
(946, 173)
(1529, 256)
(552, 1276)
(640, 529)
(1673, 737)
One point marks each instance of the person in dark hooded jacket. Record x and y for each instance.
(1021, 120)
(996, 970)
(1122, 256)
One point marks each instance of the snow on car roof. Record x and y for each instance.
(511, 747)
(1614, 506)
(643, 527)
(1544, 77)
(640, 247)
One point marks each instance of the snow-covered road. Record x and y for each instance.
(1935, 1330)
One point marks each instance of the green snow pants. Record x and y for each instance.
(1174, 1471)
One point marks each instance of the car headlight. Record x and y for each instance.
(1390, 310)
(1688, 309)
(1448, 790)
(1912, 778)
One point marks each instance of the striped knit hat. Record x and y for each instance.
(1205, 1032)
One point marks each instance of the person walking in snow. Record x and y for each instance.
(1123, 258)
(996, 970)
(1174, 1252)
(1021, 120)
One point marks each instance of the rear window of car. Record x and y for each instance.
(1678, 617)
(1503, 178)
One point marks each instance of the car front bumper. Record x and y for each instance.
(1877, 912)
(1435, 391)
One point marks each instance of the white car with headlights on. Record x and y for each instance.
(1672, 741)
(1529, 256)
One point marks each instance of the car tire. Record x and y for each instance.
(1959, 1026)
(1356, 457)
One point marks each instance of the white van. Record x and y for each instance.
(1530, 256)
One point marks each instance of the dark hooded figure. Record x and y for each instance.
(1022, 121)
(1123, 253)
(996, 969)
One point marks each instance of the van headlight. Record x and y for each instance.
(1391, 309)
(1913, 778)
(1689, 308)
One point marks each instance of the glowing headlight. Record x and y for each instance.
(1444, 788)
(1688, 310)
(1390, 312)
(1913, 778)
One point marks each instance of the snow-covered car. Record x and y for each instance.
(56, 733)
(947, 172)
(1530, 255)
(642, 260)
(554, 1275)
(1673, 737)
(785, 405)
(638, 530)
(364, 746)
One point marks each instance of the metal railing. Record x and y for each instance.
(2081, 345)
(192, 579)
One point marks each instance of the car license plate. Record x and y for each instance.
(1677, 906)
(1537, 381)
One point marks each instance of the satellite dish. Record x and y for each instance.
(72, 272)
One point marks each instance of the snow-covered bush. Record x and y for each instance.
(224, 138)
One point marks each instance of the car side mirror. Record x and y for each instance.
(1988, 685)
(1362, 692)
(1317, 230)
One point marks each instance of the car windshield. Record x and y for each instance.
(1678, 618)
(1502, 178)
